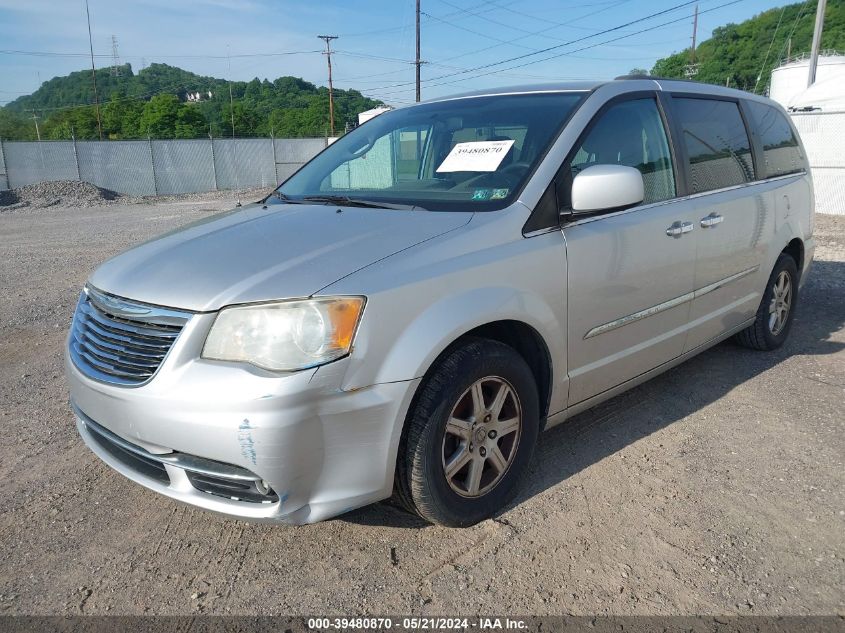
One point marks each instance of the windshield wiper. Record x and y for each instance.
(280, 196)
(358, 202)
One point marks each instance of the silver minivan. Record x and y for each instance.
(407, 312)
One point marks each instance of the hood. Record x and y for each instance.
(256, 254)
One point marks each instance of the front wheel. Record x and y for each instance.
(470, 435)
(777, 308)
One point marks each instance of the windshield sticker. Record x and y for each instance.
(476, 156)
(498, 194)
(481, 194)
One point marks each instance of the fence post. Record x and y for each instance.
(213, 162)
(275, 164)
(5, 168)
(153, 165)
(76, 157)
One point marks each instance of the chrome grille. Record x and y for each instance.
(120, 341)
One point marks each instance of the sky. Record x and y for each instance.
(463, 42)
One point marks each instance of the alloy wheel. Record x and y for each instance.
(482, 435)
(781, 303)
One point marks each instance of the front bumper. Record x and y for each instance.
(323, 450)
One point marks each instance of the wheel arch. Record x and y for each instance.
(795, 249)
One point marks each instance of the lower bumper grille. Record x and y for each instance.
(206, 475)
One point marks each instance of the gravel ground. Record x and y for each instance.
(716, 488)
(84, 195)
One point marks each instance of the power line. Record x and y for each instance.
(558, 46)
(153, 55)
(621, 37)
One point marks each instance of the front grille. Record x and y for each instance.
(120, 341)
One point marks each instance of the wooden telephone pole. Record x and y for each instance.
(417, 61)
(328, 53)
(93, 71)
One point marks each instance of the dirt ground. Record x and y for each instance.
(717, 488)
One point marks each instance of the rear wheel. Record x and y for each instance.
(470, 436)
(777, 308)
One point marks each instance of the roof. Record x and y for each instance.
(645, 83)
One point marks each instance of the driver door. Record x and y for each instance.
(630, 281)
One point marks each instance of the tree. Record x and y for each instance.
(286, 106)
(746, 53)
(15, 126)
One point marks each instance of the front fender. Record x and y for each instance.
(423, 304)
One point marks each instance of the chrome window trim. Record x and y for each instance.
(667, 305)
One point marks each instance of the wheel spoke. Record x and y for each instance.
(458, 461)
(478, 406)
(497, 460)
(459, 428)
(473, 481)
(499, 400)
(506, 427)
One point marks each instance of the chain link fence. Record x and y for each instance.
(157, 167)
(823, 134)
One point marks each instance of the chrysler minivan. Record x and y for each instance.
(406, 313)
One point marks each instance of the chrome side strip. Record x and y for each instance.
(668, 305)
(723, 282)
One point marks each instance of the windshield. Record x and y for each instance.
(472, 154)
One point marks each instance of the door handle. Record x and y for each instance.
(711, 220)
(679, 228)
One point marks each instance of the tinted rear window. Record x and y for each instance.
(781, 151)
(717, 143)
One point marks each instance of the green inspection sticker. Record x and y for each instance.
(498, 194)
(481, 194)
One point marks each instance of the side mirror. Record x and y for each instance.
(603, 187)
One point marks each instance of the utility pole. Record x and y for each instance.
(35, 118)
(817, 42)
(694, 32)
(691, 69)
(417, 61)
(328, 53)
(93, 72)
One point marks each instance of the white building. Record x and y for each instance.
(819, 114)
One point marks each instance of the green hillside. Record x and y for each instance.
(736, 52)
(154, 102)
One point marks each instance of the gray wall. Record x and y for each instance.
(157, 167)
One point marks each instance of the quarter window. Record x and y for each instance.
(781, 151)
(631, 133)
(717, 144)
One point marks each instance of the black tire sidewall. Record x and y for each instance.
(431, 493)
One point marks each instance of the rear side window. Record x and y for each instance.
(717, 143)
(781, 152)
(631, 133)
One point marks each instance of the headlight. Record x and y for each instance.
(285, 336)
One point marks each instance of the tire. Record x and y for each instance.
(462, 473)
(769, 331)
